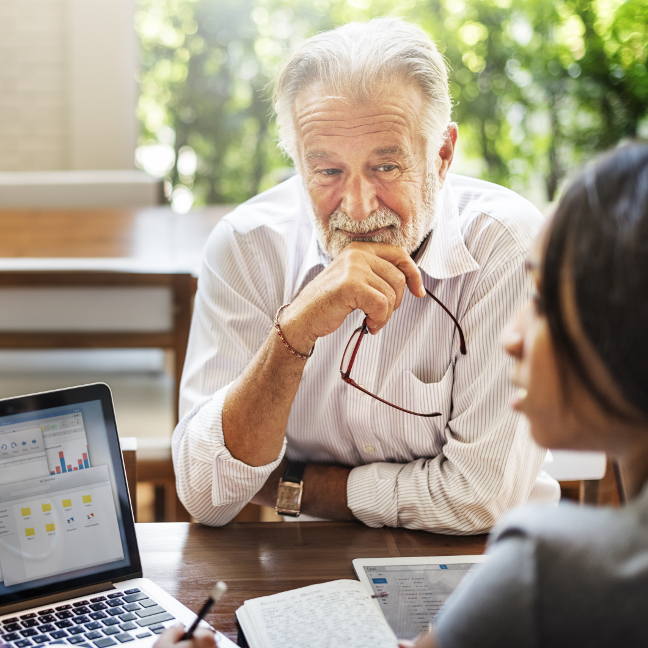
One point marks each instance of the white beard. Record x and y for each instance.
(409, 235)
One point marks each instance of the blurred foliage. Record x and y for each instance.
(538, 85)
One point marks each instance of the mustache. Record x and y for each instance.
(382, 217)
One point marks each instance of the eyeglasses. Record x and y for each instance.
(353, 346)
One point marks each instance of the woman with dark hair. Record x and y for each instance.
(567, 575)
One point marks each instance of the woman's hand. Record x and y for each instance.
(170, 638)
(424, 640)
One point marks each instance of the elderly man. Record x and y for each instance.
(373, 257)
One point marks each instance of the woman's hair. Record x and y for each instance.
(599, 241)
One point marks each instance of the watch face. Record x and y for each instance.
(289, 496)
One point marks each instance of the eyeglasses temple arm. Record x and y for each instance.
(462, 341)
(353, 383)
(363, 331)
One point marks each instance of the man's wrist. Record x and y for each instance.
(326, 495)
(290, 490)
(294, 333)
(267, 496)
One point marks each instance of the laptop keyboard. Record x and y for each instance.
(113, 619)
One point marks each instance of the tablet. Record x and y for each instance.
(416, 587)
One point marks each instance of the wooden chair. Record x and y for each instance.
(170, 334)
(620, 484)
(601, 482)
(577, 470)
(155, 466)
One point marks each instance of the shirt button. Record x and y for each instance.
(370, 449)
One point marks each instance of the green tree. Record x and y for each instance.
(538, 85)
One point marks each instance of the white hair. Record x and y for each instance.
(358, 59)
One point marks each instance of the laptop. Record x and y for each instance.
(69, 562)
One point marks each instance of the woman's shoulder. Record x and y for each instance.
(572, 524)
(600, 549)
(561, 576)
(545, 522)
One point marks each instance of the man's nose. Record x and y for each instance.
(359, 198)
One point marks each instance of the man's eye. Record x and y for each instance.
(329, 172)
(387, 167)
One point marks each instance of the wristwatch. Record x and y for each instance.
(291, 488)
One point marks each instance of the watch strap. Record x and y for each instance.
(294, 472)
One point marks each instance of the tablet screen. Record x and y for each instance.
(416, 588)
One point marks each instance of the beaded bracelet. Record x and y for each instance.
(283, 339)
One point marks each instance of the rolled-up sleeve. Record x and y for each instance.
(213, 485)
(232, 317)
(489, 462)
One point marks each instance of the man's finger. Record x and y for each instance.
(391, 275)
(399, 258)
(378, 310)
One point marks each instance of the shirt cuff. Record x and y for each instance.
(232, 480)
(372, 494)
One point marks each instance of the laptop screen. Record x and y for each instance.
(65, 518)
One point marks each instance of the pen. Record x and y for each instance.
(214, 596)
(380, 595)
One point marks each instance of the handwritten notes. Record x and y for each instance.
(339, 613)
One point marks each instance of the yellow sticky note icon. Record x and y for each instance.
(25, 511)
(46, 507)
(50, 527)
(87, 499)
(67, 503)
(30, 532)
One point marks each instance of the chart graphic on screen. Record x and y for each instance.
(64, 466)
(66, 444)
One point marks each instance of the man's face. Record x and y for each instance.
(364, 166)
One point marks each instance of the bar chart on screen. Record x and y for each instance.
(76, 464)
(66, 444)
(73, 449)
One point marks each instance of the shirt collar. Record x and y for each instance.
(444, 254)
(315, 260)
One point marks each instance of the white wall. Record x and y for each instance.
(101, 59)
(67, 84)
(32, 85)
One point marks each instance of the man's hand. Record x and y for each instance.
(324, 491)
(170, 638)
(370, 277)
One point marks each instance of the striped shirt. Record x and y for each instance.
(455, 473)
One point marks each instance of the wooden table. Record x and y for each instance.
(257, 559)
(101, 248)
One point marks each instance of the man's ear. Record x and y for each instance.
(446, 152)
